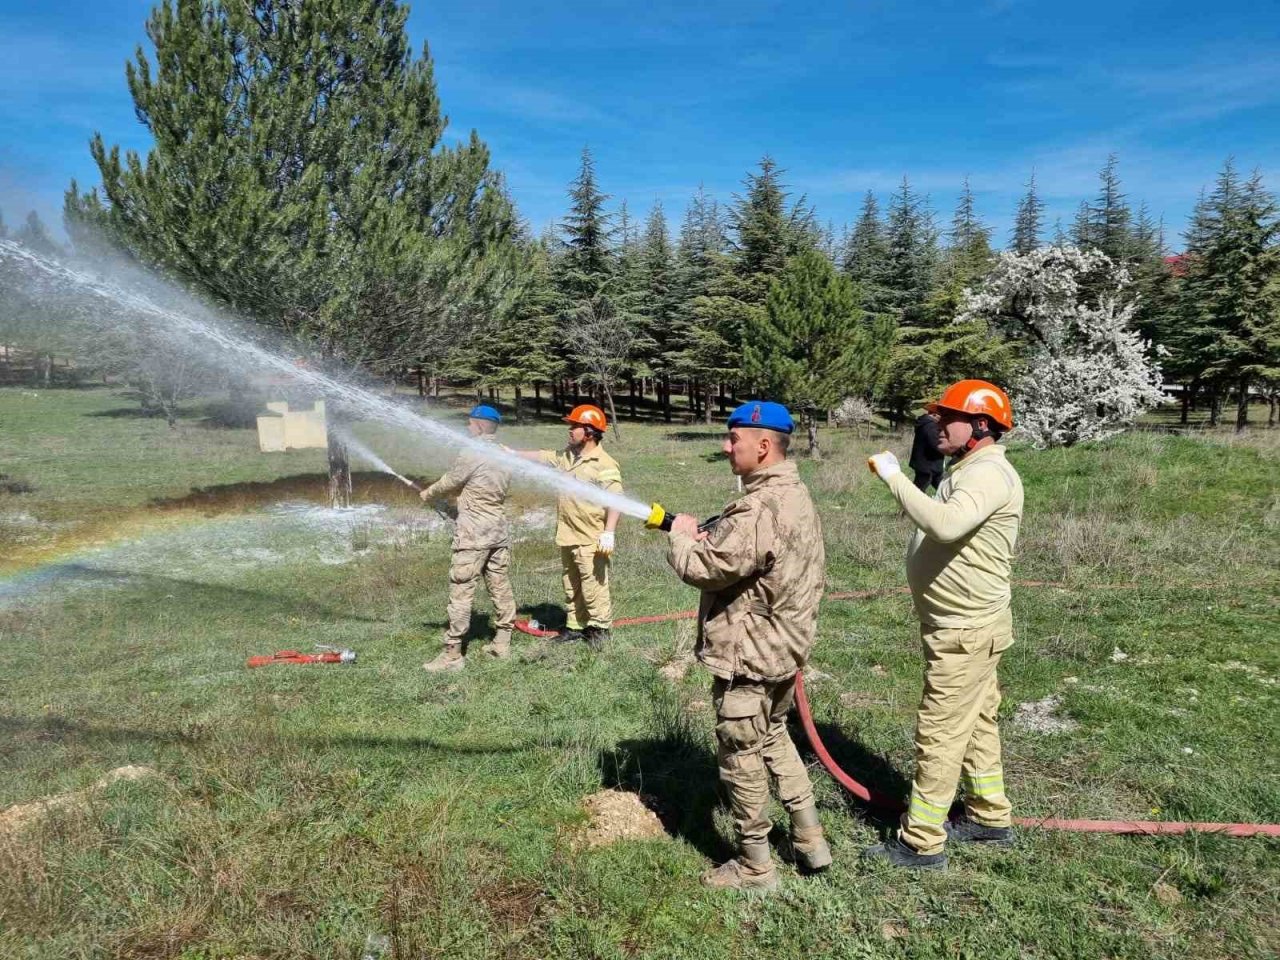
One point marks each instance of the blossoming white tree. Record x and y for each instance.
(1088, 374)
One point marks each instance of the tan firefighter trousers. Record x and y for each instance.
(957, 741)
(586, 587)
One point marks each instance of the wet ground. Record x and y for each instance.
(221, 534)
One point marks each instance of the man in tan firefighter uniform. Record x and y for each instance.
(958, 569)
(760, 570)
(481, 542)
(584, 530)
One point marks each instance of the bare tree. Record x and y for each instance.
(603, 341)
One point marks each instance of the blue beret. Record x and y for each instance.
(764, 414)
(485, 412)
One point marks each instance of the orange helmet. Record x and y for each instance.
(976, 397)
(588, 415)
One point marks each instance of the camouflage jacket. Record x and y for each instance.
(481, 487)
(761, 573)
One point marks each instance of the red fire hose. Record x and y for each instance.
(877, 799)
(294, 656)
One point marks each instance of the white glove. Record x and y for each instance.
(605, 543)
(884, 465)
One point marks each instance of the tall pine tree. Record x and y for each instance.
(706, 312)
(813, 344)
(865, 258)
(1028, 221)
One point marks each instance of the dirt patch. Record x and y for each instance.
(618, 815)
(676, 668)
(23, 815)
(513, 904)
(1040, 716)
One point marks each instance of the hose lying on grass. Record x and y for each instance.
(877, 799)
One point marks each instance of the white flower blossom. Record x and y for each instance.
(1089, 375)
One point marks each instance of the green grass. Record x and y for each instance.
(304, 809)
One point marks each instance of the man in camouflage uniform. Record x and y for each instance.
(760, 570)
(481, 543)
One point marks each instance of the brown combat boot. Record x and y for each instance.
(808, 844)
(752, 870)
(449, 661)
(500, 646)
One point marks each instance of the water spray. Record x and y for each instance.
(373, 459)
(198, 322)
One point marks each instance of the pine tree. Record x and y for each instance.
(912, 245)
(812, 346)
(707, 313)
(597, 327)
(522, 348)
(1153, 281)
(910, 280)
(866, 256)
(1109, 218)
(588, 262)
(658, 316)
(1231, 291)
(1028, 220)
(766, 230)
(298, 175)
(969, 255)
(1081, 234)
(34, 235)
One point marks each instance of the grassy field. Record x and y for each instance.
(374, 810)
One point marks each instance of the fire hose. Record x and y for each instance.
(875, 798)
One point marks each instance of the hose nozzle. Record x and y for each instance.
(659, 519)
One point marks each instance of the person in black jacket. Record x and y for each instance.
(926, 460)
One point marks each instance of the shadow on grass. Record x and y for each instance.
(186, 592)
(550, 616)
(128, 413)
(680, 778)
(368, 486)
(872, 770)
(61, 730)
(711, 434)
(417, 744)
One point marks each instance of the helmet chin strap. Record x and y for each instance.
(979, 434)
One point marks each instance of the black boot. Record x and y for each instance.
(970, 831)
(569, 635)
(596, 637)
(898, 854)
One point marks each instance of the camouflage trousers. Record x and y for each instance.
(753, 744)
(957, 741)
(465, 571)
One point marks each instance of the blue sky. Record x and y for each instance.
(846, 96)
